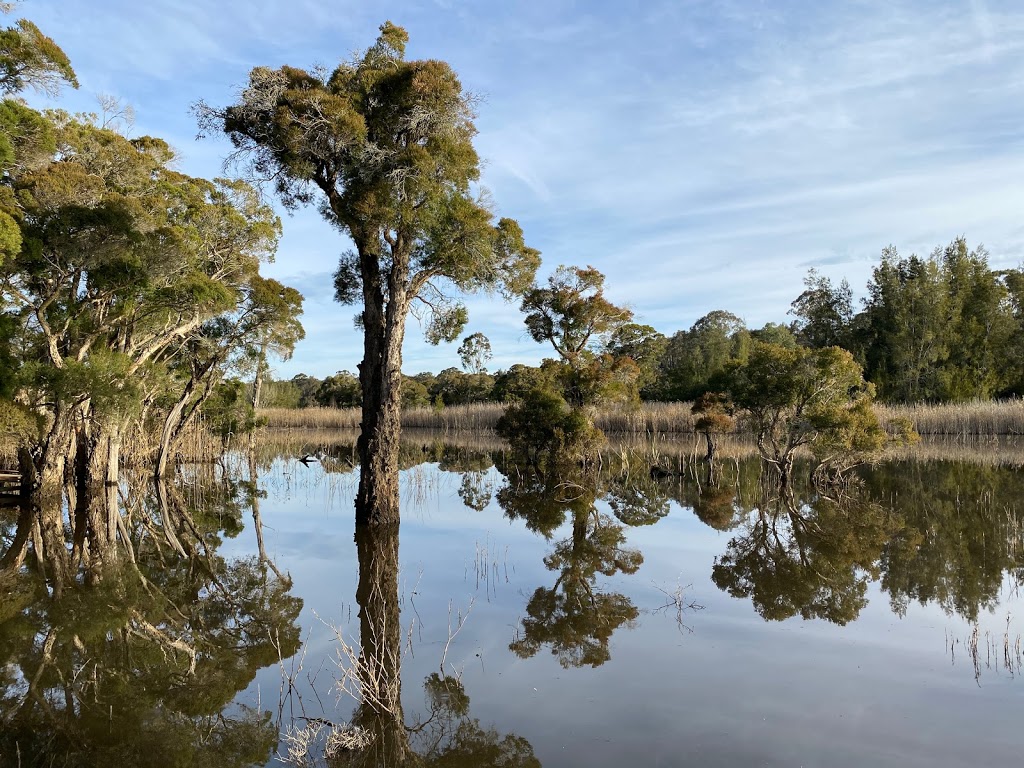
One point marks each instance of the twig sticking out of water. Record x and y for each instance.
(679, 605)
(991, 650)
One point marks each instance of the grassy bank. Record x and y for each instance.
(975, 419)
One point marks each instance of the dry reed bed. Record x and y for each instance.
(971, 419)
(955, 419)
(962, 421)
(652, 418)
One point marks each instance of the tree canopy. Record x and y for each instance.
(384, 147)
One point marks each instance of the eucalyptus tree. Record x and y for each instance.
(384, 146)
(644, 346)
(694, 361)
(265, 318)
(824, 313)
(572, 314)
(123, 259)
(474, 352)
(28, 58)
(801, 397)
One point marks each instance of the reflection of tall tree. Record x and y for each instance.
(813, 559)
(573, 617)
(255, 494)
(964, 533)
(380, 660)
(446, 735)
(721, 497)
(138, 668)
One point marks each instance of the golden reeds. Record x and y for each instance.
(972, 419)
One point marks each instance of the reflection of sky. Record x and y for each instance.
(737, 691)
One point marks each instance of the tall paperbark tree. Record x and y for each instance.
(384, 146)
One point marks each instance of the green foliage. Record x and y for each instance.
(644, 346)
(280, 394)
(940, 328)
(696, 361)
(30, 58)
(773, 333)
(474, 352)
(574, 618)
(571, 313)
(799, 396)
(414, 394)
(339, 391)
(516, 382)
(388, 144)
(228, 411)
(18, 426)
(813, 560)
(824, 313)
(453, 387)
(544, 428)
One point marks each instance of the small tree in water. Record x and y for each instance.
(714, 417)
(801, 397)
(385, 145)
(544, 429)
(553, 418)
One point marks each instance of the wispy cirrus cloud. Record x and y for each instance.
(703, 154)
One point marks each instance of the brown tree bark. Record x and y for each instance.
(380, 636)
(380, 376)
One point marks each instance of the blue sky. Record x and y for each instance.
(703, 155)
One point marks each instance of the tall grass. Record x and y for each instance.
(971, 419)
(650, 418)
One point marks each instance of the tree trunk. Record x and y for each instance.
(257, 382)
(51, 458)
(171, 424)
(785, 470)
(380, 375)
(380, 636)
(710, 438)
(50, 544)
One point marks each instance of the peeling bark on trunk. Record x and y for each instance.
(51, 459)
(380, 375)
(170, 428)
(50, 544)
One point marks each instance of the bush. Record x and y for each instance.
(544, 428)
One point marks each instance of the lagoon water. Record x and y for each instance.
(627, 621)
(827, 654)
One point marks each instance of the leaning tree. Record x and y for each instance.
(384, 147)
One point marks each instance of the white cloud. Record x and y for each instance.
(701, 154)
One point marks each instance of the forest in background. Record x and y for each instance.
(945, 328)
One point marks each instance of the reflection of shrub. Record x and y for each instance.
(543, 425)
(715, 507)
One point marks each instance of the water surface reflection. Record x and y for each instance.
(513, 620)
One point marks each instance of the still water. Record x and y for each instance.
(517, 620)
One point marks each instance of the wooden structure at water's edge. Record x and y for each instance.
(10, 482)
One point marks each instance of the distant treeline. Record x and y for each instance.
(941, 328)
